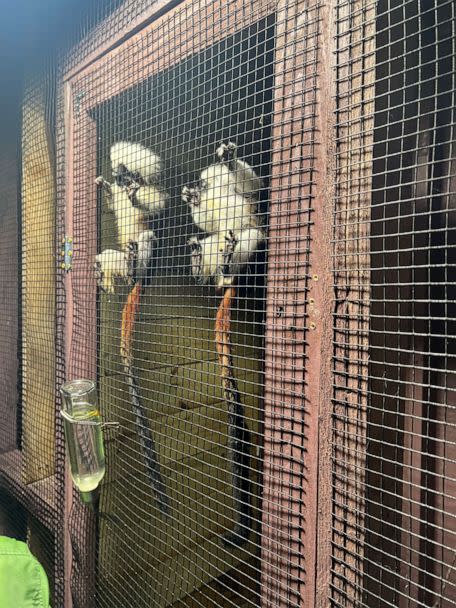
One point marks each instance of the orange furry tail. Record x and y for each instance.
(128, 321)
(222, 332)
(239, 439)
(144, 431)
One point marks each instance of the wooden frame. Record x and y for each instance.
(302, 321)
(28, 474)
(298, 325)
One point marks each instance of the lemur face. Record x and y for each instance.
(126, 178)
(226, 152)
(191, 195)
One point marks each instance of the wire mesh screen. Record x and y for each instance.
(27, 206)
(180, 154)
(394, 440)
(9, 294)
(169, 156)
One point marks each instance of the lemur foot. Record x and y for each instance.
(226, 151)
(132, 258)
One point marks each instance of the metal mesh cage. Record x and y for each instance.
(198, 77)
(394, 384)
(237, 218)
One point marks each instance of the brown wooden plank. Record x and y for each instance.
(38, 497)
(356, 90)
(298, 310)
(38, 289)
(156, 47)
(321, 304)
(80, 332)
(9, 292)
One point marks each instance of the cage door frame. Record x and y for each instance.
(85, 93)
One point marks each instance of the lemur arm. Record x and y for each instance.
(246, 181)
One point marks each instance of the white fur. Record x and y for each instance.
(246, 181)
(110, 265)
(213, 249)
(220, 207)
(146, 244)
(130, 220)
(224, 205)
(136, 158)
(151, 199)
(248, 242)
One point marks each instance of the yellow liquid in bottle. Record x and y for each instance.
(85, 448)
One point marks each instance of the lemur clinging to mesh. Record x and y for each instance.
(224, 203)
(135, 197)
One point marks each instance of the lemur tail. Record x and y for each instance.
(238, 433)
(142, 423)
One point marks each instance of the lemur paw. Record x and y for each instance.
(231, 242)
(226, 151)
(131, 190)
(104, 185)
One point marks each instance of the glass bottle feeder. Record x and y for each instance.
(84, 437)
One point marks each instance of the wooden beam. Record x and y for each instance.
(355, 122)
(298, 322)
(38, 289)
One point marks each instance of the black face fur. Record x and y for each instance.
(191, 194)
(126, 178)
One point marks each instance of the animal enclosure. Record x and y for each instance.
(237, 218)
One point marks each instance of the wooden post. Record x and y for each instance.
(38, 290)
(80, 332)
(9, 304)
(299, 305)
(355, 122)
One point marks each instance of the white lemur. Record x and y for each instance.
(135, 197)
(137, 170)
(131, 266)
(224, 203)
